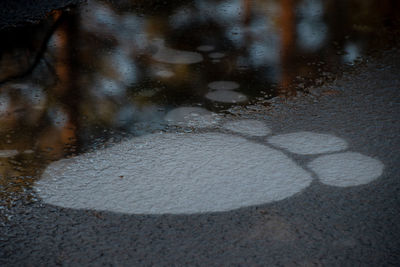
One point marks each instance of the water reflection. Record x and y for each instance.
(103, 69)
(311, 29)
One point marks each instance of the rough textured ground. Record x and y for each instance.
(324, 225)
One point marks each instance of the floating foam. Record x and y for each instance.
(308, 143)
(173, 56)
(248, 127)
(191, 116)
(8, 153)
(346, 169)
(205, 48)
(225, 96)
(223, 85)
(216, 55)
(164, 73)
(172, 173)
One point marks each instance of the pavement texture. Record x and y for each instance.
(322, 225)
(15, 13)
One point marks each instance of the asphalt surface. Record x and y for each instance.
(322, 225)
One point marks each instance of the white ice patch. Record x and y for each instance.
(308, 143)
(164, 73)
(170, 173)
(173, 56)
(225, 96)
(8, 153)
(191, 117)
(223, 85)
(248, 127)
(195, 173)
(346, 169)
(205, 48)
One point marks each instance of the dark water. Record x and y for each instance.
(113, 69)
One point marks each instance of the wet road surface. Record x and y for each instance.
(237, 176)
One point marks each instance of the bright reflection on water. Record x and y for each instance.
(107, 70)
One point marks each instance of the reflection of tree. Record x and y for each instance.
(44, 129)
(35, 50)
(105, 71)
(246, 11)
(65, 92)
(288, 22)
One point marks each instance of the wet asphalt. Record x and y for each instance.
(322, 225)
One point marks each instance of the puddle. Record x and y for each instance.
(101, 72)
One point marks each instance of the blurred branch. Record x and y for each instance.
(59, 17)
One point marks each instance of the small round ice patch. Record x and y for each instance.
(164, 73)
(308, 143)
(191, 116)
(8, 153)
(223, 85)
(346, 169)
(205, 48)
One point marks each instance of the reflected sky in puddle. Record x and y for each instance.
(106, 70)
